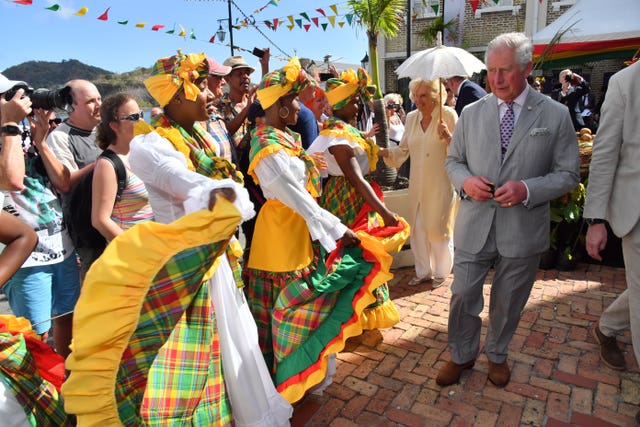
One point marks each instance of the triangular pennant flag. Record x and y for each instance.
(104, 16)
(276, 21)
(125, 22)
(315, 20)
(299, 22)
(349, 17)
(334, 8)
(268, 24)
(321, 12)
(474, 5)
(53, 7)
(324, 26)
(141, 24)
(24, 2)
(213, 38)
(496, 1)
(273, 2)
(435, 8)
(291, 27)
(83, 11)
(173, 30)
(305, 16)
(332, 20)
(306, 27)
(182, 33)
(157, 27)
(341, 24)
(192, 35)
(290, 18)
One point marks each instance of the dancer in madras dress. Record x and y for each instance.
(305, 306)
(350, 193)
(180, 346)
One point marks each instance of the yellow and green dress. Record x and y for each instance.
(341, 198)
(306, 304)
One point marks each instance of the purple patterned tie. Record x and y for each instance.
(506, 127)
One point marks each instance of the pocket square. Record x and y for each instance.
(539, 132)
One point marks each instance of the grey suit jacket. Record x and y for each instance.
(614, 175)
(543, 153)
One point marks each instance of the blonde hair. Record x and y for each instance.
(395, 98)
(437, 89)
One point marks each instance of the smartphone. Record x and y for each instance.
(325, 76)
(492, 187)
(258, 52)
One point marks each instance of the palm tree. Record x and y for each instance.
(379, 16)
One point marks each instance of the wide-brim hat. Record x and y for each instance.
(6, 84)
(216, 69)
(236, 62)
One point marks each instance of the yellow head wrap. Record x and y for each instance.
(170, 74)
(291, 79)
(340, 91)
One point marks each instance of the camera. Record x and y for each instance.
(568, 77)
(258, 52)
(325, 76)
(394, 107)
(43, 98)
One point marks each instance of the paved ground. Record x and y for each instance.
(388, 378)
(557, 377)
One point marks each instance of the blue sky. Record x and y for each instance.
(45, 35)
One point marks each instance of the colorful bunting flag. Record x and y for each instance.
(334, 8)
(125, 22)
(474, 5)
(306, 27)
(324, 26)
(290, 18)
(321, 12)
(212, 39)
(305, 15)
(192, 36)
(332, 20)
(157, 27)
(104, 16)
(349, 17)
(24, 2)
(435, 8)
(291, 27)
(276, 21)
(182, 33)
(141, 24)
(173, 30)
(53, 7)
(83, 11)
(315, 20)
(299, 22)
(341, 24)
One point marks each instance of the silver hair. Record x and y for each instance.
(395, 98)
(520, 44)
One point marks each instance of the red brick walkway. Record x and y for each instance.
(388, 378)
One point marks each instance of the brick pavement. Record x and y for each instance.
(388, 378)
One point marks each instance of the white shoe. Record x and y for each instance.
(418, 280)
(437, 282)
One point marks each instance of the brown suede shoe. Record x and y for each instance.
(610, 353)
(450, 372)
(499, 373)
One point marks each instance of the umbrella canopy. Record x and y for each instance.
(440, 62)
(590, 30)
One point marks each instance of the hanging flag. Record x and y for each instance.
(276, 21)
(53, 7)
(496, 1)
(332, 20)
(274, 2)
(334, 8)
(268, 24)
(324, 26)
(315, 20)
(182, 33)
(349, 17)
(104, 16)
(291, 27)
(173, 30)
(341, 24)
(192, 36)
(290, 18)
(141, 24)
(157, 27)
(474, 4)
(306, 27)
(213, 38)
(321, 12)
(83, 11)
(435, 8)
(123, 22)
(24, 2)
(305, 16)
(299, 22)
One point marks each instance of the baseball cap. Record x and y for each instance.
(216, 69)
(6, 84)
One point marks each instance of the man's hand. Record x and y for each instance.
(596, 240)
(349, 239)
(39, 125)
(510, 193)
(227, 193)
(16, 109)
(478, 188)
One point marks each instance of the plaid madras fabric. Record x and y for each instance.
(184, 381)
(39, 398)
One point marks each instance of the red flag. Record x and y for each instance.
(306, 27)
(157, 27)
(25, 2)
(474, 4)
(276, 21)
(104, 16)
(315, 20)
(321, 12)
(212, 39)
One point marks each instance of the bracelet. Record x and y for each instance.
(10, 130)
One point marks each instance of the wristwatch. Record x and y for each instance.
(591, 221)
(10, 130)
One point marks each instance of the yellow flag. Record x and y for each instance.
(83, 11)
(290, 17)
(290, 27)
(332, 20)
(183, 33)
(334, 8)
(141, 24)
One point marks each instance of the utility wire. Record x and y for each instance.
(259, 30)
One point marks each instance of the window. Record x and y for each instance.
(489, 6)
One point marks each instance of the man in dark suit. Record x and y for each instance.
(522, 144)
(465, 92)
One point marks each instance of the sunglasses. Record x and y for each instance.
(133, 117)
(57, 121)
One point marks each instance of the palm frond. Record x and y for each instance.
(555, 40)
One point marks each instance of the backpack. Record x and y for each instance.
(77, 212)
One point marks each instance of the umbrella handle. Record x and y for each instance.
(440, 95)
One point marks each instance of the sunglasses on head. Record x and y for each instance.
(57, 121)
(133, 117)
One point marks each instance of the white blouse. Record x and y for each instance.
(322, 144)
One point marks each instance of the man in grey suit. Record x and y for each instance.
(612, 195)
(522, 144)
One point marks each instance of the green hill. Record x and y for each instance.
(52, 75)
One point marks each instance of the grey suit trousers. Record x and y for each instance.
(510, 289)
(624, 312)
